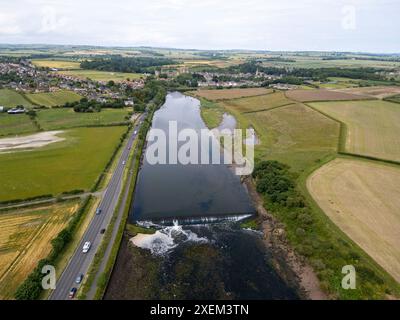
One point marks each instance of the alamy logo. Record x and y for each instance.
(349, 280)
(49, 280)
(190, 146)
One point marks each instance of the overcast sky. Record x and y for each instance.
(341, 25)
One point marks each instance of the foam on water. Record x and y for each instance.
(166, 239)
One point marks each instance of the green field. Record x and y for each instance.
(372, 127)
(57, 64)
(63, 166)
(10, 98)
(102, 75)
(53, 99)
(15, 124)
(293, 134)
(258, 103)
(67, 118)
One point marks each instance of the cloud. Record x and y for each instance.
(9, 24)
(205, 24)
(50, 20)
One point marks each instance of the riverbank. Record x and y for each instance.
(275, 240)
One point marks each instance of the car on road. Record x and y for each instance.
(135, 133)
(72, 293)
(123, 162)
(86, 247)
(98, 211)
(79, 279)
(102, 231)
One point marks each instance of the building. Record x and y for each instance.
(16, 111)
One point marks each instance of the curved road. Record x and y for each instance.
(80, 262)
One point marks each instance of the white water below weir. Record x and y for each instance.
(166, 239)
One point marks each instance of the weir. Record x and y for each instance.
(195, 220)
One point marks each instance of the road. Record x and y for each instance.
(80, 262)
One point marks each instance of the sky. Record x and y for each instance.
(278, 25)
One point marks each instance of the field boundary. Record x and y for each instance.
(264, 110)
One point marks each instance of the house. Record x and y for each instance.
(129, 103)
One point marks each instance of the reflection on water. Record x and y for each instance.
(179, 191)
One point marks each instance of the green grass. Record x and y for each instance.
(11, 98)
(67, 118)
(102, 75)
(371, 129)
(53, 99)
(293, 134)
(395, 98)
(259, 103)
(134, 229)
(72, 164)
(211, 113)
(15, 124)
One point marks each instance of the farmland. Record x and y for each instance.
(67, 118)
(377, 92)
(306, 139)
(25, 239)
(293, 134)
(363, 199)
(101, 75)
(63, 166)
(53, 99)
(10, 98)
(57, 64)
(216, 95)
(371, 126)
(258, 103)
(15, 124)
(323, 95)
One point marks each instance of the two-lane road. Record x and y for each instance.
(80, 262)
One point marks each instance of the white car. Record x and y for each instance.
(86, 247)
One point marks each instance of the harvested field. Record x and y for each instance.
(376, 92)
(57, 64)
(227, 94)
(258, 103)
(25, 239)
(104, 76)
(323, 95)
(372, 127)
(363, 199)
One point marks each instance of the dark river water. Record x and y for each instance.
(197, 260)
(176, 191)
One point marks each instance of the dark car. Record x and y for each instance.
(98, 211)
(102, 231)
(79, 279)
(72, 293)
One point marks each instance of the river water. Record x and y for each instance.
(191, 258)
(185, 192)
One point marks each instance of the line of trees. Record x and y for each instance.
(123, 64)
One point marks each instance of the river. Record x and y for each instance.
(189, 257)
